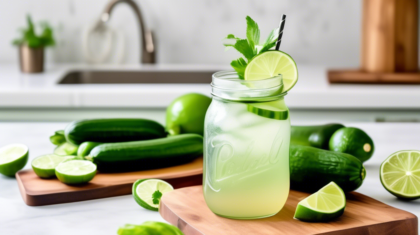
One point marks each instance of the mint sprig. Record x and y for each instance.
(250, 47)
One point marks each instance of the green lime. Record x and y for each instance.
(353, 141)
(44, 166)
(270, 64)
(86, 147)
(325, 205)
(66, 149)
(400, 174)
(75, 172)
(13, 157)
(186, 114)
(273, 109)
(147, 192)
(149, 228)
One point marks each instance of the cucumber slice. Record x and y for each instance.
(274, 110)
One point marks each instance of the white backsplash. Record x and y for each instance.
(323, 32)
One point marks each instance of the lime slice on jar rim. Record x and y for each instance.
(325, 205)
(400, 174)
(270, 64)
(75, 172)
(148, 192)
(44, 166)
(13, 157)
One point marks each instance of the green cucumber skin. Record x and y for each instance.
(85, 148)
(113, 130)
(312, 168)
(147, 154)
(315, 136)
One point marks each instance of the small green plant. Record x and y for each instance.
(31, 39)
(250, 47)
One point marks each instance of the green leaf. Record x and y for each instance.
(252, 32)
(270, 41)
(30, 38)
(156, 197)
(231, 36)
(239, 65)
(243, 47)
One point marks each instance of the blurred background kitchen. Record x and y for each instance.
(319, 35)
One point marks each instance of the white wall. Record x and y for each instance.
(191, 31)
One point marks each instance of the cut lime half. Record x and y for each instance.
(13, 157)
(274, 109)
(325, 205)
(400, 174)
(44, 166)
(75, 172)
(270, 64)
(148, 192)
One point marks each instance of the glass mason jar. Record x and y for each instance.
(246, 147)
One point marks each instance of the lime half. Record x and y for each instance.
(44, 166)
(148, 192)
(13, 157)
(270, 64)
(274, 109)
(325, 205)
(75, 172)
(400, 174)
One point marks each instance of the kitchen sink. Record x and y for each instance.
(121, 77)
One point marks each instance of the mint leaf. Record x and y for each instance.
(239, 65)
(156, 197)
(231, 36)
(270, 41)
(252, 33)
(243, 47)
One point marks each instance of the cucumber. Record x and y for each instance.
(315, 136)
(312, 168)
(113, 130)
(147, 154)
(86, 147)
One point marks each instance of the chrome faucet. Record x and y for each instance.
(148, 45)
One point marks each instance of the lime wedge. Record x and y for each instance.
(147, 192)
(44, 166)
(75, 172)
(400, 174)
(270, 64)
(325, 205)
(13, 157)
(274, 109)
(66, 149)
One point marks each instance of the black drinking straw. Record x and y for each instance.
(281, 26)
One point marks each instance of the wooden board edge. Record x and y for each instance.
(358, 76)
(22, 189)
(97, 193)
(170, 216)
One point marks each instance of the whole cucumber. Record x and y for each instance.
(86, 147)
(312, 168)
(315, 136)
(147, 154)
(113, 130)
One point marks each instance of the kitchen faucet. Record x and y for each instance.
(148, 45)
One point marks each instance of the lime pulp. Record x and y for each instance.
(400, 174)
(270, 64)
(44, 166)
(148, 192)
(75, 172)
(13, 157)
(325, 205)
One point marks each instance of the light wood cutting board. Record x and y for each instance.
(37, 192)
(186, 209)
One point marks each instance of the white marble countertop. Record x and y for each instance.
(104, 216)
(311, 92)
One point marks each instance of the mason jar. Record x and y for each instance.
(246, 147)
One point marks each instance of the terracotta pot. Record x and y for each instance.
(31, 59)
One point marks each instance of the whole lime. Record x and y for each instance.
(186, 114)
(353, 141)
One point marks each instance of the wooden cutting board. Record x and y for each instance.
(37, 192)
(363, 215)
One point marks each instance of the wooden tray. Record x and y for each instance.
(37, 192)
(357, 76)
(363, 215)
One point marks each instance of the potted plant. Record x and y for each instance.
(31, 46)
